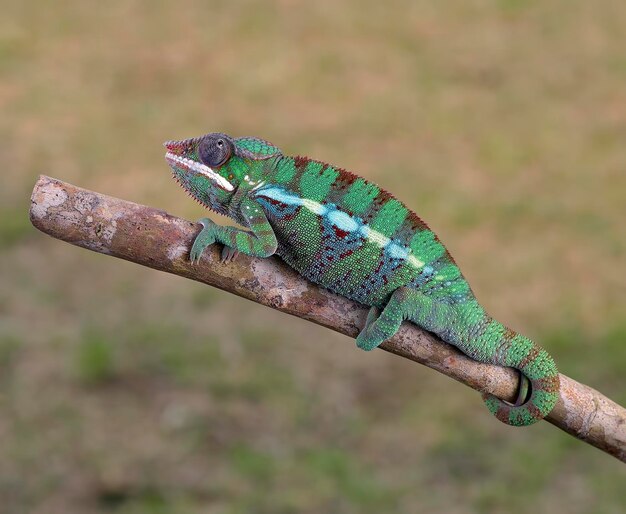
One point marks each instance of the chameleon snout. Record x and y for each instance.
(181, 147)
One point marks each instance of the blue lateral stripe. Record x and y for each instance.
(342, 221)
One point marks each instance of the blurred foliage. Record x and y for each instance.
(125, 390)
(14, 227)
(94, 359)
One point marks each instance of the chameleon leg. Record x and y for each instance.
(260, 241)
(479, 336)
(405, 303)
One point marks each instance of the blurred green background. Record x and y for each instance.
(503, 123)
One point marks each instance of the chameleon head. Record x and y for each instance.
(211, 167)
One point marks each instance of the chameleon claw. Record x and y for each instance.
(228, 254)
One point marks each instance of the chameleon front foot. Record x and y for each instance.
(229, 254)
(204, 239)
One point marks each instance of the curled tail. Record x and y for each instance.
(517, 351)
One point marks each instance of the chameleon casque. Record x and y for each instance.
(345, 233)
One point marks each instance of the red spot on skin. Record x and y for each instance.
(385, 279)
(380, 265)
(276, 202)
(340, 233)
(347, 253)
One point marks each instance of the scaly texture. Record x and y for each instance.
(348, 235)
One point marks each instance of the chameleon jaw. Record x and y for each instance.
(197, 167)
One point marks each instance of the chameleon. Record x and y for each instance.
(348, 235)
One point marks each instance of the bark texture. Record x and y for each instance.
(154, 238)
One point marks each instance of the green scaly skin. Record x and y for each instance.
(348, 235)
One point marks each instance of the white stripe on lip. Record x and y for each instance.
(198, 167)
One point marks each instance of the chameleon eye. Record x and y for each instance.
(214, 151)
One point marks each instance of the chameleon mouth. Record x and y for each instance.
(197, 167)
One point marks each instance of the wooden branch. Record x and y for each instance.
(153, 238)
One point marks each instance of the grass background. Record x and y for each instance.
(128, 391)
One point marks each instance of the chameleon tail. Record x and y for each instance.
(517, 351)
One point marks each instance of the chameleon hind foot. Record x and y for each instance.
(405, 303)
(380, 327)
(369, 338)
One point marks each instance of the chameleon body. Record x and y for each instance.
(345, 233)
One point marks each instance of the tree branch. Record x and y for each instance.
(153, 238)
